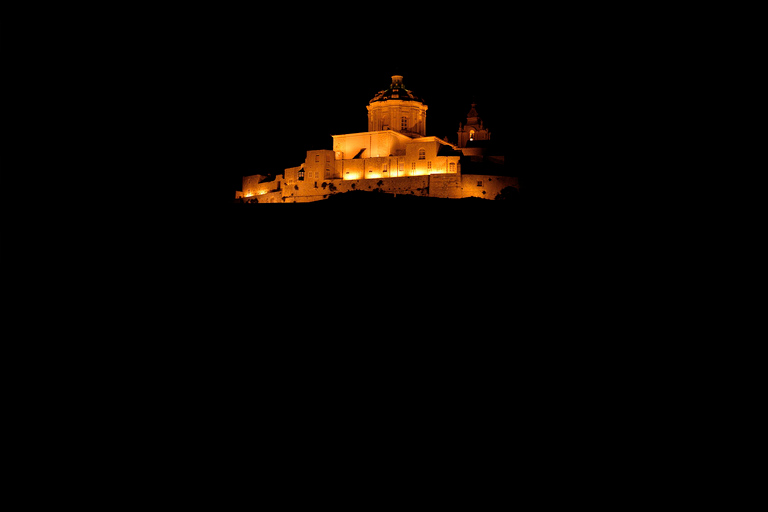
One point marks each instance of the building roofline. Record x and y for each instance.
(377, 131)
(433, 138)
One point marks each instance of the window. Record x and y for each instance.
(301, 174)
(479, 183)
(384, 168)
(471, 134)
(404, 123)
(422, 154)
(317, 158)
(400, 166)
(452, 167)
(429, 165)
(413, 166)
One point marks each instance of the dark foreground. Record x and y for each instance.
(359, 201)
(367, 230)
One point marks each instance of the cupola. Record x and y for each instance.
(399, 109)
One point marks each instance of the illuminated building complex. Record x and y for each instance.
(393, 156)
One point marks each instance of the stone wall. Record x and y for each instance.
(306, 191)
(254, 186)
(445, 185)
(287, 188)
(485, 186)
(321, 165)
(435, 185)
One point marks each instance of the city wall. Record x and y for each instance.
(414, 185)
(434, 185)
(254, 186)
(485, 186)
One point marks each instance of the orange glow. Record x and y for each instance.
(395, 146)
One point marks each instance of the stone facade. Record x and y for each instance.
(394, 156)
(397, 109)
(283, 190)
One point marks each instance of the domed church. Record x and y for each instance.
(397, 108)
(394, 156)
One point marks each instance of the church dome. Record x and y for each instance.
(396, 91)
(397, 109)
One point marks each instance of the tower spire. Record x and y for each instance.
(474, 129)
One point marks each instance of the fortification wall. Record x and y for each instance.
(485, 186)
(445, 185)
(414, 185)
(252, 187)
(434, 185)
(269, 197)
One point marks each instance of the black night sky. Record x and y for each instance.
(243, 93)
(275, 110)
(253, 98)
(286, 113)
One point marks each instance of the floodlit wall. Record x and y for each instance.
(389, 155)
(268, 197)
(435, 185)
(291, 175)
(445, 185)
(253, 188)
(388, 115)
(416, 169)
(485, 186)
(418, 186)
(369, 144)
(321, 164)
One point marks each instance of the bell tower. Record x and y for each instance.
(398, 109)
(473, 130)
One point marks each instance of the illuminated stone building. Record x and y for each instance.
(397, 109)
(393, 156)
(473, 130)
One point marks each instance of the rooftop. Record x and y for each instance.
(396, 91)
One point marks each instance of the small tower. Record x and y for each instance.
(397, 109)
(473, 130)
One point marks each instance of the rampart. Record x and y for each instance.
(306, 191)
(434, 185)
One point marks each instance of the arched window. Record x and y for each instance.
(422, 154)
(471, 134)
